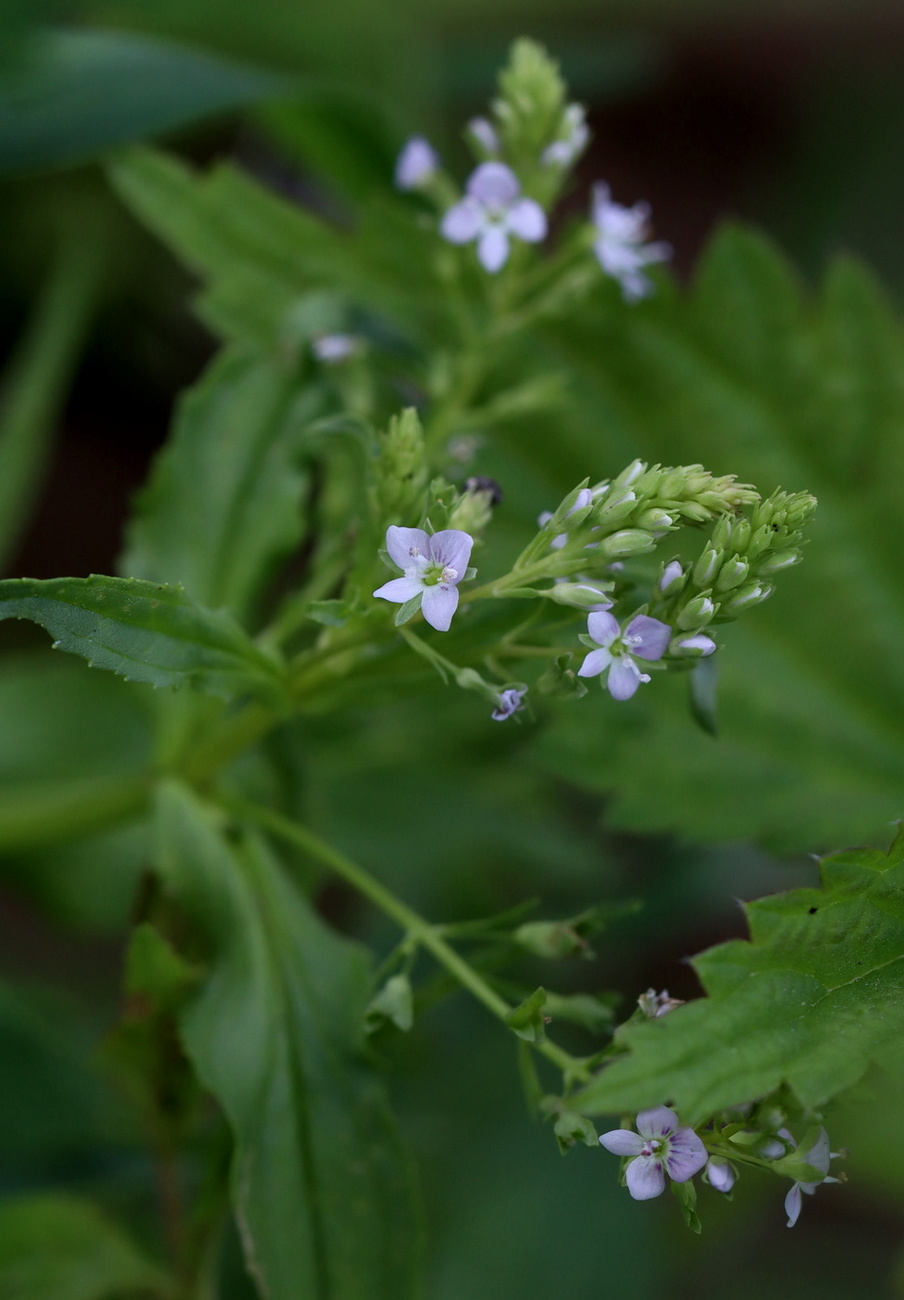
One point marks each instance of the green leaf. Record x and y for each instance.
(145, 632)
(62, 1248)
(747, 372)
(570, 1127)
(813, 997)
(319, 1181)
(78, 92)
(223, 504)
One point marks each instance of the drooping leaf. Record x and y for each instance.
(145, 632)
(55, 1247)
(224, 500)
(76, 93)
(811, 999)
(276, 1033)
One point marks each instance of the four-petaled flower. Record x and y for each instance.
(491, 211)
(643, 638)
(818, 1156)
(620, 246)
(659, 1147)
(433, 568)
(510, 701)
(415, 164)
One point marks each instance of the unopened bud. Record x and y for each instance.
(732, 573)
(579, 595)
(692, 647)
(630, 541)
(707, 567)
(574, 508)
(779, 560)
(673, 578)
(761, 540)
(697, 613)
(753, 594)
(655, 520)
(740, 534)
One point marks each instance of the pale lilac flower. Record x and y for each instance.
(643, 638)
(484, 133)
(433, 568)
(818, 1156)
(658, 1145)
(720, 1174)
(416, 163)
(655, 1004)
(491, 211)
(620, 246)
(697, 647)
(510, 701)
(332, 348)
(562, 153)
(671, 576)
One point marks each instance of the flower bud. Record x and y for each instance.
(779, 560)
(574, 507)
(630, 541)
(761, 540)
(697, 613)
(655, 520)
(720, 1174)
(579, 595)
(753, 594)
(673, 578)
(707, 567)
(722, 533)
(692, 647)
(401, 470)
(732, 573)
(740, 534)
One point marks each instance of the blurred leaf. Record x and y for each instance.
(276, 1034)
(223, 504)
(63, 1248)
(144, 632)
(77, 93)
(811, 999)
(746, 374)
(393, 1003)
(35, 382)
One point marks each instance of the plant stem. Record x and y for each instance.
(427, 935)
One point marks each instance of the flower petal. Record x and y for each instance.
(417, 161)
(645, 1178)
(400, 542)
(687, 1155)
(527, 220)
(494, 183)
(658, 1122)
(451, 547)
(720, 1174)
(646, 637)
(400, 590)
(493, 248)
(818, 1155)
(624, 678)
(602, 627)
(792, 1205)
(596, 662)
(439, 604)
(463, 222)
(622, 1142)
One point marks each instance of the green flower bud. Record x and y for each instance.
(400, 474)
(579, 595)
(732, 573)
(473, 510)
(531, 101)
(707, 567)
(779, 560)
(630, 541)
(740, 534)
(722, 533)
(753, 594)
(696, 613)
(655, 520)
(760, 542)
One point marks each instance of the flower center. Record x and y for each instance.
(652, 1147)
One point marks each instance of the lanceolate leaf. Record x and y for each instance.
(224, 501)
(320, 1184)
(145, 632)
(813, 997)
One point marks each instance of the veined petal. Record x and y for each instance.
(622, 1142)
(687, 1155)
(493, 248)
(400, 542)
(400, 590)
(792, 1205)
(439, 604)
(527, 220)
(596, 662)
(602, 627)
(645, 1178)
(624, 678)
(657, 1123)
(462, 222)
(451, 548)
(646, 637)
(492, 183)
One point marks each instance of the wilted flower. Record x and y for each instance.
(818, 1156)
(643, 638)
(491, 211)
(619, 244)
(510, 701)
(433, 567)
(660, 1146)
(416, 163)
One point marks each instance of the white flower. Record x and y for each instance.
(619, 243)
(818, 1156)
(433, 568)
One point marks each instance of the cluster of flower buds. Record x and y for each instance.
(524, 150)
(663, 1148)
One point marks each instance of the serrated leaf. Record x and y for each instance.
(223, 504)
(55, 1247)
(320, 1183)
(145, 632)
(814, 996)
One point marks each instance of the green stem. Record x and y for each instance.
(420, 930)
